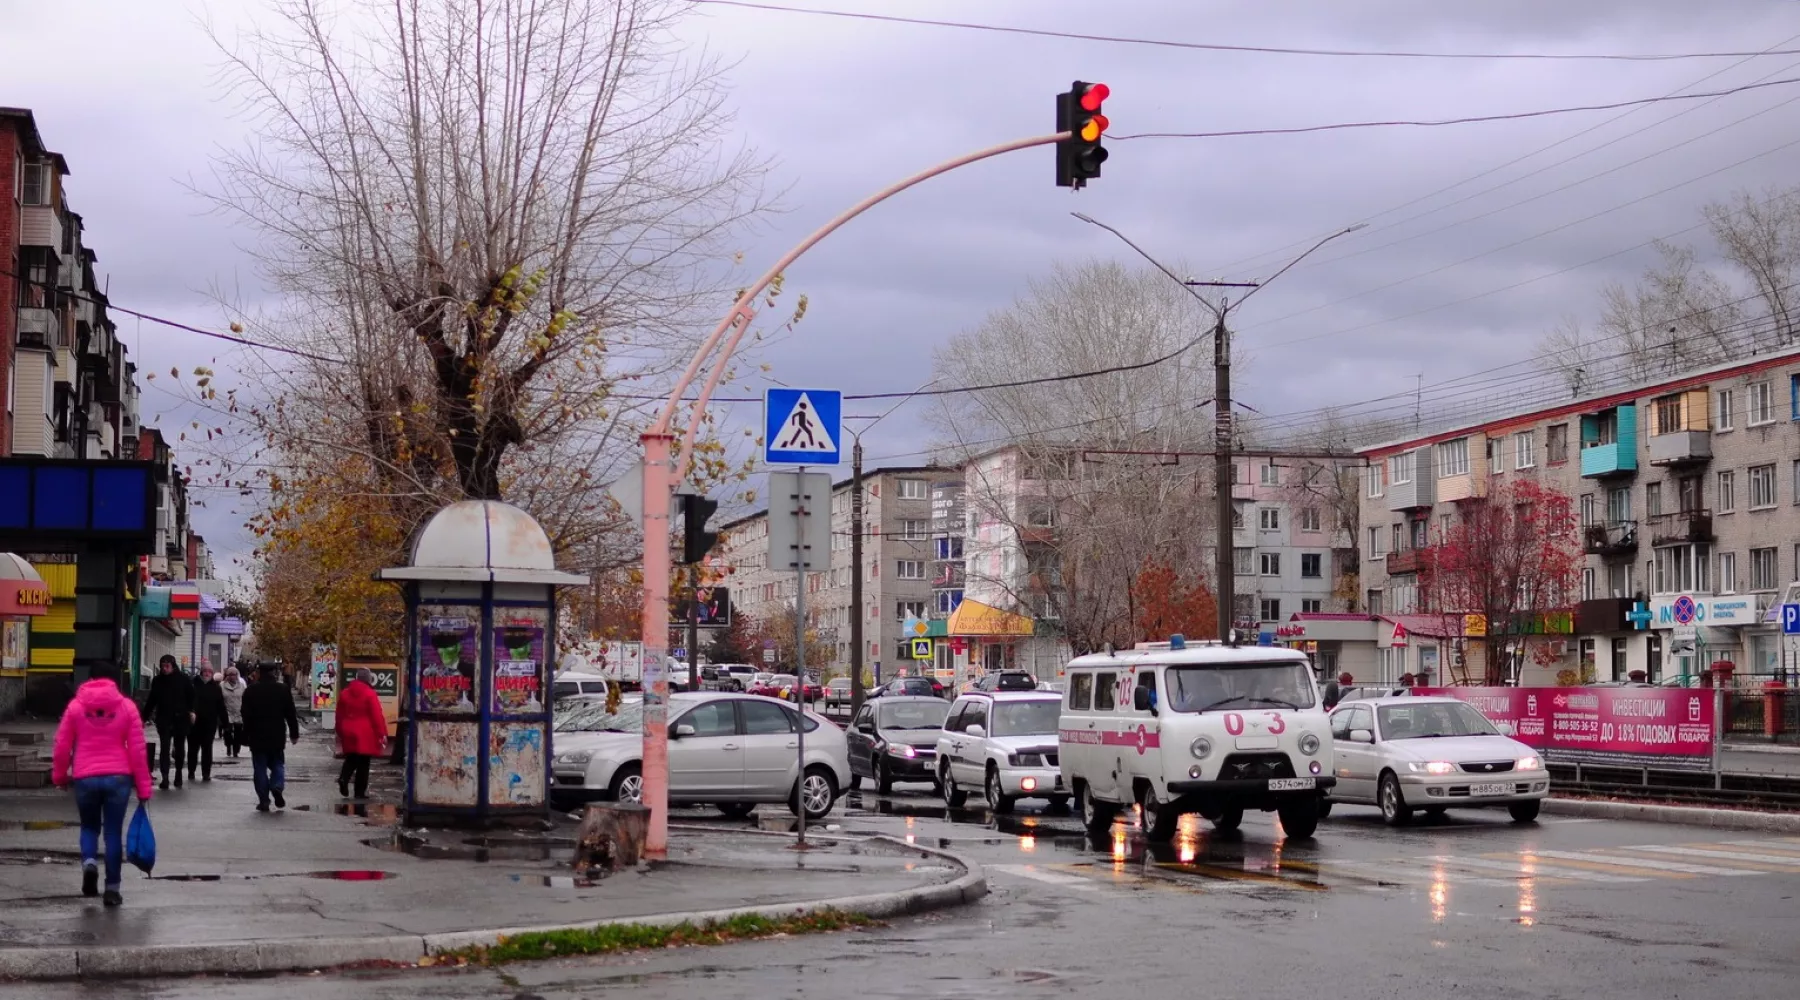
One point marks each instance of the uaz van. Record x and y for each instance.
(1175, 728)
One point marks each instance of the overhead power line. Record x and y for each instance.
(1277, 50)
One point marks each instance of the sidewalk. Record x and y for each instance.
(317, 885)
(1769, 760)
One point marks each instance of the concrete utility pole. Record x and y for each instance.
(1224, 585)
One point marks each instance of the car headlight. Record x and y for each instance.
(1309, 744)
(1434, 767)
(1200, 748)
(902, 750)
(1530, 764)
(575, 757)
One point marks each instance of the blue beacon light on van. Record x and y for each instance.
(1178, 641)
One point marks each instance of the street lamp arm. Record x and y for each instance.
(1290, 264)
(1090, 220)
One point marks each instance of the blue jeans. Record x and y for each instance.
(268, 771)
(102, 801)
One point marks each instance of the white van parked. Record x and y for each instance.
(1176, 727)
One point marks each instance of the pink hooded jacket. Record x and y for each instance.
(101, 734)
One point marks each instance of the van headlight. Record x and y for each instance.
(1309, 744)
(1200, 748)
(575, 757)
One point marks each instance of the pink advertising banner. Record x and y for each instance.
(1639, 727)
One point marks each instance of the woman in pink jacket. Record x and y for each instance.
(100, 750)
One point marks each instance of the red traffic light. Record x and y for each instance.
(1092, 98)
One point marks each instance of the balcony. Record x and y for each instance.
(1610, 538)
(1408, 561)
(1683, 527)
(37, 327)
(1418, 491)
(1680, 447)
(1609, 442)
(1611, 459)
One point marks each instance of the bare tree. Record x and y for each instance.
(1761, 237)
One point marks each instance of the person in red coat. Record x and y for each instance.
(361, 731)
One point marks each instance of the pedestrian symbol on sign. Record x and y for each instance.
(802, 430)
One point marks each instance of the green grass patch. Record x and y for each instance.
(608, 938)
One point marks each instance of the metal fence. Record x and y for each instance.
(1754, 714)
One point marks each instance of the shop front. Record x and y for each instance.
(23, 597)
(1692, 632)
(1337, 643)
(1001, 640)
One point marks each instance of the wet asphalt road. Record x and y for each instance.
(1470, 903)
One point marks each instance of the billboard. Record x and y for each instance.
(1624, 726)
(712, 606)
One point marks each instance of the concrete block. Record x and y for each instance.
(325, 953)
(144, 961)
(38, 963)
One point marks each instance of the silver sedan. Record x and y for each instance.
(1431, 753)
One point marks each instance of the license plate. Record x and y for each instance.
(1490, 789)
(1292, 784)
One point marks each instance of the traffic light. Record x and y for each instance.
(1078, 157)
(696, 541)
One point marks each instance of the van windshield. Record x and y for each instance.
(1218, 686)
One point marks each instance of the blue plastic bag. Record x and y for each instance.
(140, 840)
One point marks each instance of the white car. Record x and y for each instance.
(1431, 753)
(733, 751)
(1004, 743)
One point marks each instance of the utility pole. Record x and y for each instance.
(856, 577)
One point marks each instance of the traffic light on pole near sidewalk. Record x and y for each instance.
(1078, 157)
(696, 541)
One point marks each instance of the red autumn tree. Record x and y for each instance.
(1514, 558)
(1167, 604)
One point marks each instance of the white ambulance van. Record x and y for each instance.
(1177, 727)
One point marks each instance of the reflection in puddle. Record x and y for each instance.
(1440, 894)
(353, 875)
(555, 881)
(381, 812)
(333, 874)
(482, 849)
(1527, 901)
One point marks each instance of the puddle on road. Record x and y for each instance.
(377, 812)
(38, 824)
(482, 849)
(334, 874)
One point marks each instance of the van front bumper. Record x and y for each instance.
(1253, 788)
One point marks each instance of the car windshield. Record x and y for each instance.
(1025, 718)
(913, 714)
(1219, 686)
(1433, 719)
(594, 718)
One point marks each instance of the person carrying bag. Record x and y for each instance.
(100, 753)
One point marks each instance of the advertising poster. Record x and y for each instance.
(449, 658)
(16, 636)
(519, 660)
(1634, 727)
(324, 676)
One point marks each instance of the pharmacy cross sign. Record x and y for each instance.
(1639, 616)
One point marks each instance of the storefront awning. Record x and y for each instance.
(973, 618)
(23, 592)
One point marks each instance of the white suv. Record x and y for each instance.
(1003, 742)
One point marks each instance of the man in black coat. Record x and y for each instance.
(270, 722)
(171, 706)
(209, 715)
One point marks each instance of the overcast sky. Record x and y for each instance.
(1448, 278)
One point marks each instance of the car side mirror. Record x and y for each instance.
(1362, 736)
(976, 732)
(1507, 728)
(682, 730)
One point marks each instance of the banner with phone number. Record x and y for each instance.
(1632, 727)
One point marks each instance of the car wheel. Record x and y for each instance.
(884, 779)
(816, 792)
(628, 784)
(1096, 816)
(1527, 811)
(1158, 818)
(1393, 805)
(1299, 817)
(736, 810)
(1229, 819)
(954, 797)
(997, 800)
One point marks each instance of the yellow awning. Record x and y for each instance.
(973, 618)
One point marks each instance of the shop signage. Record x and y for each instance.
(1675, 610)
(23, 597)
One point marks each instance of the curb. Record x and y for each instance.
(306, 954)
(1718, 819)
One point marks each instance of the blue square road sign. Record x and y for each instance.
(803, 426)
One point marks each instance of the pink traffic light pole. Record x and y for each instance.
(662, 470)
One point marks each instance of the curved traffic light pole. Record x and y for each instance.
(661, 473)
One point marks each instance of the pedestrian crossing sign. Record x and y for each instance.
(921, 649)
(802, 426)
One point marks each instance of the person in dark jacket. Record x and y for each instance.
(209, 715)
(270, 722)
(171, 707)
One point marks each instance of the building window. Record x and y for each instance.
(1375, 483)
(37, 185)
(1524, 450)
(1556, 444)
(1271, 609)
(1421, 533)
(1271, 474)
(1588, 582)
(1590, 508)
(1725, 499)
(1311, 606)
(949, 548)
(1269, 518)
(1652, 499)
(1762, 403)
(915, 531)
(1309, 519)
(1618, 579)
(1243, 561)
(1271, 563)
(1794, 395)
(1668, 413)
(1237, 515)
(1763, 570)
(1618, 504)
(1762, 486)
(1680, 569)
(909, 609)
(1797, 480)
(1312, 565)
(911, 489)
(1400, 468)
(1399, 538)
(1723, 401)
(1453, 457)
(1374, 543)
(910, 569)
(1728, 572)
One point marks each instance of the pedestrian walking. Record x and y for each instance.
(171, 707)
(361, 731)
(270, 722)
(209, 713)
(233, 689)
(100, 751)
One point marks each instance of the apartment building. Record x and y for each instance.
(1688, 496)
(898, 557)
